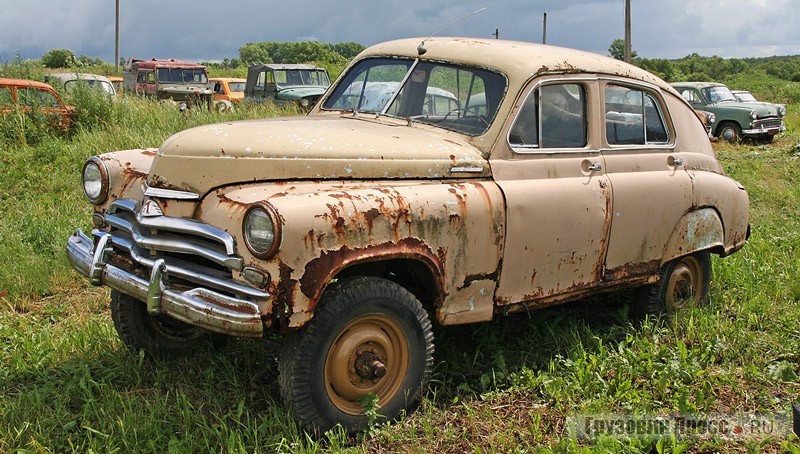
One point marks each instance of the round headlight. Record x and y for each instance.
(711, 118)
(261, 232)
(782, 110)
(753, 114)
(95, 180)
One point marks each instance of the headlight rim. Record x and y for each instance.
(276, 226)
(105, 180)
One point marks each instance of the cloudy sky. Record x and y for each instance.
(210, 30)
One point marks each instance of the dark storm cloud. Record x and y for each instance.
(213, 30)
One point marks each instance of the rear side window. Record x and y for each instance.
(553, 116)
(633, 117)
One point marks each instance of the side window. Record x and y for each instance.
(140, 77)
(553, 116)
(633, 117)
(151, 77)
(32, 97)
(690, 96)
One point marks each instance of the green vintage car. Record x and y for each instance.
(286, 83)
(734, 120)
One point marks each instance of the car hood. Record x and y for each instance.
(301, 91)
(763, 109)
(312, 148)
(185, 89)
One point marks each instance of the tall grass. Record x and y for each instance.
(68, 385)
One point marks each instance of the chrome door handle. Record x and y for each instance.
(595, 166)
(678, 161)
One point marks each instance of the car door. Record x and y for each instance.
(557, 194)
(652, 190)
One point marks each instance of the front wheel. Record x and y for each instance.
(684, 282)
(730, 132)
(159, 335)
(369, 338)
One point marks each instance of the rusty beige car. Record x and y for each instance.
(556, 174)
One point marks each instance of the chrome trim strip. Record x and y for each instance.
(168, 224)
(170, 194)
(191, 275)
(467, 170)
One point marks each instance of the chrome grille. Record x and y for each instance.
(192, 250)
(767, 123)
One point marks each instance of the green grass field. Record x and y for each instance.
(67, 384)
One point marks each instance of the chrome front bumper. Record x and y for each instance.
(200, 306)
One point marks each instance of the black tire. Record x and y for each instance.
(159, 335)
(729, 131)
(684, 282)
(368, 335)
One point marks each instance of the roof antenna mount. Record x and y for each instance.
(421, 48)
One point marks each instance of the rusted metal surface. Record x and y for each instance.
(340, 225)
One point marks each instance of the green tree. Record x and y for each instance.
(59, 58)
(253, 53)
(617, 50)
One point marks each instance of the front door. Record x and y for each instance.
(557, 193)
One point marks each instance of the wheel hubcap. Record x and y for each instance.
(685, 284)
(370, 355)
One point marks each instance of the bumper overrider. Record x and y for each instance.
(240, 311)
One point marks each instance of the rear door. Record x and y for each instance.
(652, 190)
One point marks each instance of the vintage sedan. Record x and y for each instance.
(556, 175)
(735, 119)
(33, 96)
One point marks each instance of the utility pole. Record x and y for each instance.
(628, 31)
(544, 28)
(116, 45)
(496, 33)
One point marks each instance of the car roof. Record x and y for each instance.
(698, 84)
(24, 83)
(516, 59)
(65, 77)
(285, 66)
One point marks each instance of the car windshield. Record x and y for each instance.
(100, 85)
(284, 77)
(745, 97)
(455, 97)
(718, 94)
(182, 75)
(236, 86)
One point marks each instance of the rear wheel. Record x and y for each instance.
(684, 282)
(369, 337)
(159, 335)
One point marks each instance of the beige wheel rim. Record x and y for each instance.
(685, 284)
(370, 355)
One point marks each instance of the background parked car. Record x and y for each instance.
(183, 82)
(284, 83)
(29, 94)
(70, 82)
(116, 81)
(735, 119)
(227, 91)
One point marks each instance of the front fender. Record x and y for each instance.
(454, 229)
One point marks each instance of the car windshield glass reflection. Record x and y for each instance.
(459, 98)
